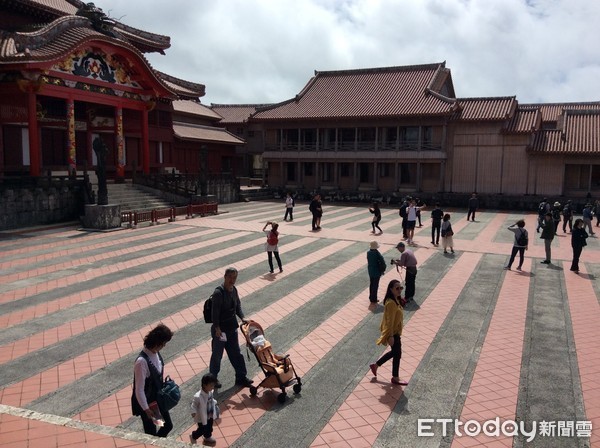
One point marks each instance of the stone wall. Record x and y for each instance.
(30, 206)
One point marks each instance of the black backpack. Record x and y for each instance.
(523, 240)
(207, 310)
(542, 209)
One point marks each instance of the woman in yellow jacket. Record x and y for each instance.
(391, 331)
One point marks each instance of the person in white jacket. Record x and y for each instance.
(205, 411)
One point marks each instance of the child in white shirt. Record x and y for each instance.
(205, 411)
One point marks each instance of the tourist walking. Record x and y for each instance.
(411, 219)
(436, 224)
(578, 242)
(226, 308)
(376, 268)
(473, 206)
(567, 213)
(403, 215)
(271, 246)
(148, 377)
(520, 244)
(408, 261)
(543, 208)
(547, 236)
(316, 208)
(289, 207)
(556, 211)
(391, 325)
(447, 234)
(588, 215)
(376, 217)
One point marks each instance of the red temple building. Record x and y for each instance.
(69, 73)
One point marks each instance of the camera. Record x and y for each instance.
(392, 261)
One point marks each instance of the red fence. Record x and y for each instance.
(153, 216)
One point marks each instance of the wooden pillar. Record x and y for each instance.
(120, 142)
(35, 167)
(71, 144)
(145, 143)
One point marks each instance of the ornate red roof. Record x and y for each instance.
(579, 134)
(195, 108)
(524, 121)
(486, 109)
(236, 113)
(373, 93)
(551, 111)
(187, 131)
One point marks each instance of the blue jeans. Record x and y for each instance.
(232, 347)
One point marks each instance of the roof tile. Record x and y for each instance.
(186, 131)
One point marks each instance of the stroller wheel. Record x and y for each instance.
(297, 388)
(282, 397)
(253, 390)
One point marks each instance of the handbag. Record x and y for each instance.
(169, 394)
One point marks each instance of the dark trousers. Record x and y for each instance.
(548, 249)
(289, 211)
(270, 256)
(232, 347)
(411, 277)
(314, 221)
(373, 288)
(394, 354)
(556, 224)
(404, 232)
(567, 221)
(471, 214)
(576, 255)
(150, 427)
(513, 254)
(203, 430)
(435, 232)
(376, 224)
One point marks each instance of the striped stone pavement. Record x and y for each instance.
(482, 347)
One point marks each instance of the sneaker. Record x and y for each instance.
(445, 251)
(545, 262)
(399, 382)
(192, 440)
(452, 250)
(244, 382)
(433, 243)
(519, 268)
(374, 368)
(280, 269)
(271, 271)
(507, 268)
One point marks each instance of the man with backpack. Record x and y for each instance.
(520, 244)
(226, 308)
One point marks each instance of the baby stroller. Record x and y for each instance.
(279, 370)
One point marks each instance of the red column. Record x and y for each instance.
(34, 141)
(145, 143)
(71, 153)
(120, 142)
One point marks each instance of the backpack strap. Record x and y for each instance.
(157, 377)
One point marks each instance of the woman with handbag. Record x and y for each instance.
(148, 380)
(447, 234)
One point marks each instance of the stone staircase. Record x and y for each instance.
(132, 198)
(255, 194)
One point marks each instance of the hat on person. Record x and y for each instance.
(557, 204)
(400, 244)
(374, 245)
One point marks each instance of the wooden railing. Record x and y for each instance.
(132, 219)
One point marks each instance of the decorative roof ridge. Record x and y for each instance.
(402, 68)
(163, 42)
(441, 97)
(36, 39)
(256, 106)
(180, 82)
(581, 111)
(488, 98)
(575, 103)
(434, 79)
(273, 106)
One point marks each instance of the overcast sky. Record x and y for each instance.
(265, 51)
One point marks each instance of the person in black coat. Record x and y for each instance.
(578, 242)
